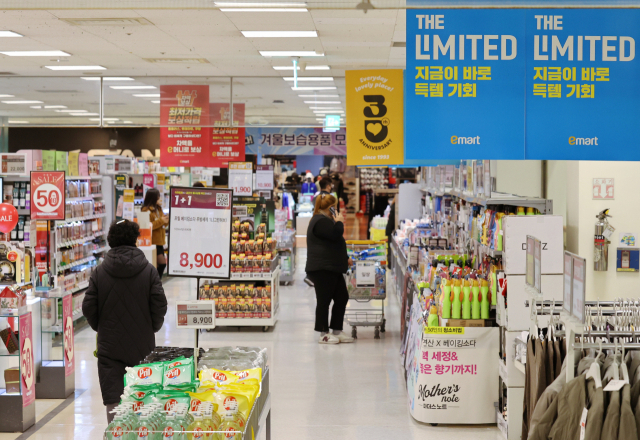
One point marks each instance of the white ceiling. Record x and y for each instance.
(209, 38)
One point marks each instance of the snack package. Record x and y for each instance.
(144, 374)
(214, 376)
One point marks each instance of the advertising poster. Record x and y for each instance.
(241, 178)
(121, 185)
(227, 140)
(27, 368)
(375, 111)
(48, 195)
(200, 232)
(296, 141)
(457, 376)
(264, 177)
(184, 117)
(67, 319)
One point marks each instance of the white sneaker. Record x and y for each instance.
(343, 338)
(329, 339)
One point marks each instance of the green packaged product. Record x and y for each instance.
(145, 374)
(170, 399)
(138, 404)
(178, 375)
(139, 391)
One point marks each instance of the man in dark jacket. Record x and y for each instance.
(125, 304)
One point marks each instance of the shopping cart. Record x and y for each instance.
(366, 282)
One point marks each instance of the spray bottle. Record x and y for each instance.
(466, 300)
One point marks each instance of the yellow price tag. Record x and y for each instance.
(444, 330)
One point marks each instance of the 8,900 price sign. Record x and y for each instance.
(200, 232)
(195, 314)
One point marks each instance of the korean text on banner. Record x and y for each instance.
(200, 232)
(465, 82)
(67, 319)
(48, 195)
(264, 177)
(375, 115)
(184, 117)
(227, 140)
(27, 368)
(241, 178)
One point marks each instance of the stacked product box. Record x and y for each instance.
(238, 300)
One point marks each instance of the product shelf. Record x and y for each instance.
(79, 219)
(101, 249)
(543, 205)
(82, 177)
(77, 315)
(10, 355)
(96, 196)
(23, 211)
(489, 251)
(76, 263)
(70, 243)
(78, 199)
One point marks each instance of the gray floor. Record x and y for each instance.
(350, 391)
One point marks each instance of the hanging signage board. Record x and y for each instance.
(27, 367)
(375, 111)
(241, 178)
(200, 232)
(264, 177)
(567, 298)
(227, 140)
(48, 195)
(578, 287)
(195, 314)
(184, 120)
(69, 349)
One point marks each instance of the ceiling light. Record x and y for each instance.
(312, 88)
(317, 112)
(132, 87)
(36, 53)
(107, 78)
(263, 10)
(70, 111)
(261, 4)
(284, 68)
(155, 102)
(322, 102)
(290, 53)
(310, 78)
(279, 34)
(22, 102)
(7, 96)
(84, 114)
(147, 95)
(127, 122)
(55, 106)
(105, 119)
(317, 68)
(85, 68)
(36, 106)
(325, 108)
(9, 34)
(319, 96)
(11, 121)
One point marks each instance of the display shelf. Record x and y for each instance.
(15, 178)
(83, 286)
(76, 263)
(10, 355)
(489, 251)
(23, 211)
(70, 243)
(78, 199)
(82, 177)
(520, 366)
(77, 315)
(101, 249)
(95, 196)
(79, 219)
(545, 206)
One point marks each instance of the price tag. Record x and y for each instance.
(614, 385)
(200, 232)
(264, 177)
(365, 274)
(196, 314)
(241, 178)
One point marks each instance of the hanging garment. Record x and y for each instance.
(528, 376)
(535, 381)
(540, 382)
(558, 357)
(628, 429)
(612, 419)
(550, 366)
(635, 403)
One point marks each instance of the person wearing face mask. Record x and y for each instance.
(327, 261)
(159, 221)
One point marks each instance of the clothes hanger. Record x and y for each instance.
(594, 373)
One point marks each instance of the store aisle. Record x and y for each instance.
(351, 391)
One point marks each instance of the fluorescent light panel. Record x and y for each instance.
(9, 34)
(11, 121)
(22, 102)
(85, 68)
(290, 53)
(319, 96)
(310, 78)
(279, 34)
(284, 68)
(107, 78)
(132, 87)
(317, 68)
(70, 111)
(127, 122)
(323, 102)
(7, 96)
(147, 95)
(155, 102)
(85, 114)
(263, 10)
(325, 108)
(36, 53)
(36, 106)
(55, 106)
(261, 4)
(312, 88)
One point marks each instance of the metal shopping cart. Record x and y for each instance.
(366, 283)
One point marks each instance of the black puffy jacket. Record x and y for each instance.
(326, 248)
(125, 304)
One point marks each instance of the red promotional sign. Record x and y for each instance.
(47, 195)
(184, 117)
(227, 142)
(67, 319)
(27, 369)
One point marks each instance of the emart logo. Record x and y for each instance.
(459, 140)
(583, 141)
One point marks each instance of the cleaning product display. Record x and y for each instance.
(238, 300)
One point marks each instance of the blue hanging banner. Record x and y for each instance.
(465, 74)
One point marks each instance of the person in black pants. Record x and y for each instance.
(327, 261)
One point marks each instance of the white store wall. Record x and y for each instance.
(519, 177)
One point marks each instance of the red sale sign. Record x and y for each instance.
(227, 140)
(184, 120)
(47, 195)
(67, 319)
(27, 369)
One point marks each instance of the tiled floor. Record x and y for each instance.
(351, 391)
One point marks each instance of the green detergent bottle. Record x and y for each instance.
(484, 300)
(494, 289)
(475, 300)
(446, 299)
(457, 301)
(466, 300)
(433, 321)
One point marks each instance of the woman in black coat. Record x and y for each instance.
(327, 261)
(125, 304)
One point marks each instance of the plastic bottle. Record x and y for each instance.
(196, 430)
(433, 321)
(475, 300)
(520, 210)
(172, 429)
(457, 300)
(446, 299)
(484, 300)
(144, 428)
(494, 288)
(466, 300)
(231, 429)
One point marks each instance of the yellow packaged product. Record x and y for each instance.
(199, 397)
(231, 404)
(217, 376)
(253, 373)
(250, 391)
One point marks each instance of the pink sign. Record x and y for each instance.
(27, 369)
(603, 189)
(83, 164)
(67, 319)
